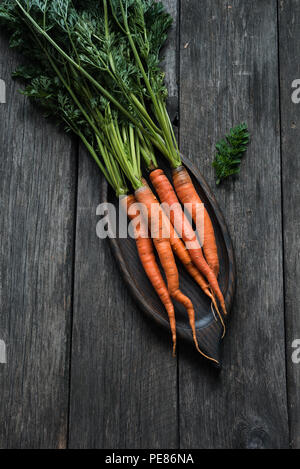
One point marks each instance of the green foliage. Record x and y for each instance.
(84, 68)
(149, 24)
(230, 152)
(51, 81)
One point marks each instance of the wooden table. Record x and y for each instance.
(85, 369)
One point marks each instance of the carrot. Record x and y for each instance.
(188, 195)
(147, 257)
(167, 195)
(162, 244)
(183, 255)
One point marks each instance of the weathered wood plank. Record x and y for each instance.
(229, 74)
(289, 36)
(123, 385)
(36, 229)
(123, 379)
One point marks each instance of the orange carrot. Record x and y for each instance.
(147, 257)
(188, 195)
(162, 244)
(183, 255)
(167, 195)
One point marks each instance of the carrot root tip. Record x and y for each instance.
(174, 338)
(196, 343)
(213, 307)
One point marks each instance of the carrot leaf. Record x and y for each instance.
(230, 151)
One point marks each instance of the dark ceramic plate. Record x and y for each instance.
(209, 330)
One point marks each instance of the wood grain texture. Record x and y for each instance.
(229, 74)
(170, 59)
(289, 41)
(126, 390)
(124, 379)
(37, 208)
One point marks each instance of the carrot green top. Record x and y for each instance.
(111, 46)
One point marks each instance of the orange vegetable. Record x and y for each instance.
(183, 255)
(145, 196)
(147, 257)
(167, 195)
(188, 195)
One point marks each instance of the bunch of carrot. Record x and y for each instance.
(94, 66)
(202, 264)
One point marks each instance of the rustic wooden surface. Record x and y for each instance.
(289, 42)
(84, 368)
(229, 68)
(116, 353)
(37, 224)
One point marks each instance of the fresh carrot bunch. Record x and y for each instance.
(94, 66)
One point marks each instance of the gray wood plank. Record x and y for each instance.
(123, 378)
(289, 36)
(36, 228)
(229, 74)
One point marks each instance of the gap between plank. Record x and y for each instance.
(76, 162)
(282, 224)
(178, 54)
